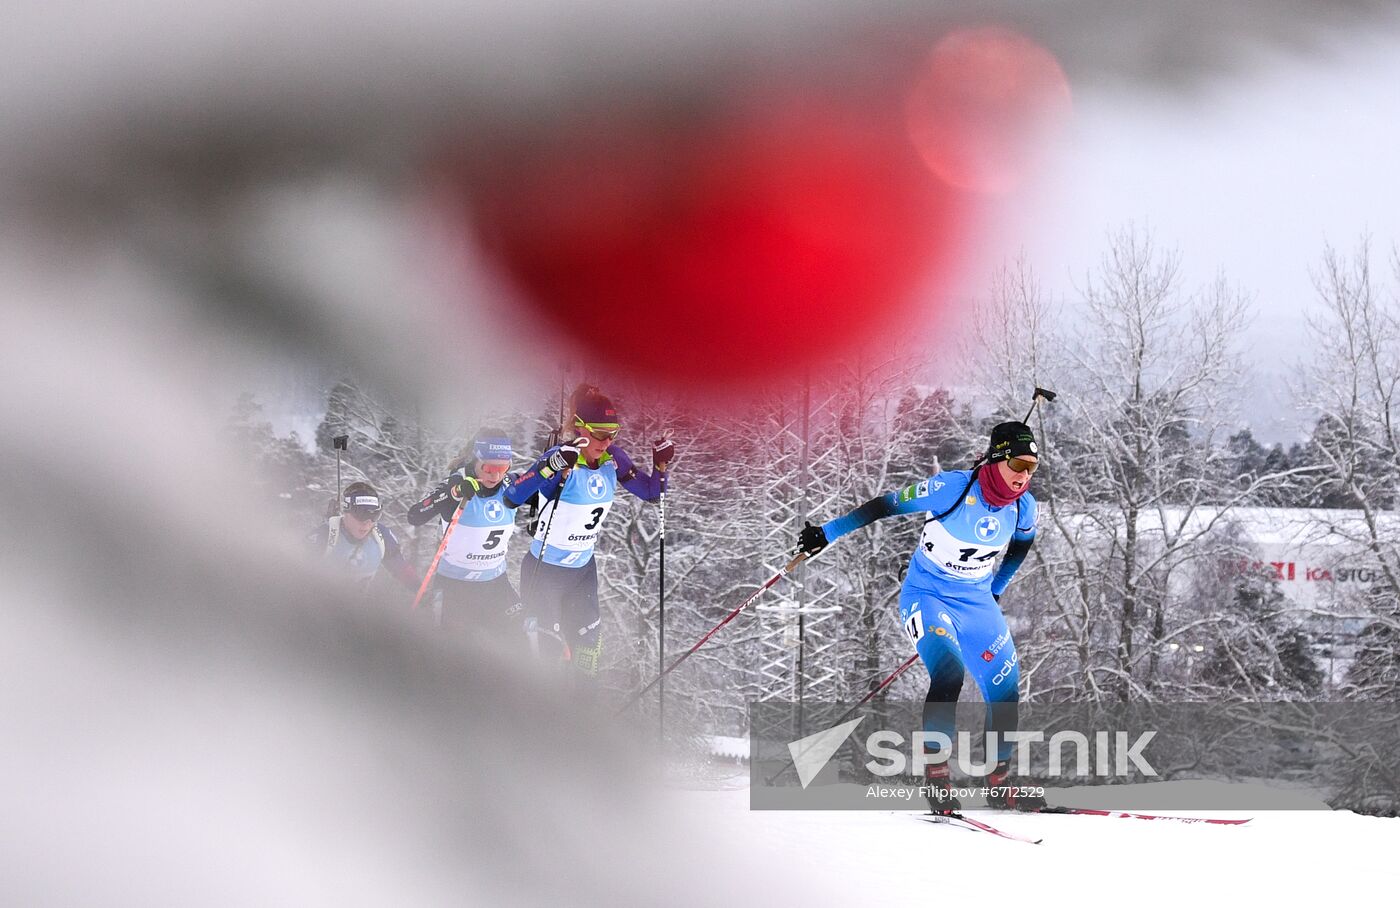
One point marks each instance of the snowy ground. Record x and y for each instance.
(870, 858)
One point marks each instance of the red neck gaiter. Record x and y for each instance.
(995, 489)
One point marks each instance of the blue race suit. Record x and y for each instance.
(946, 604)
(558, 579)
(471, 575)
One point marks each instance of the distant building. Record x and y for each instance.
(1320, 557)
(1317, 555)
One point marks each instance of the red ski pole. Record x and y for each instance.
(866, 699)
(883, 684)
(787, 569)
(442, 547)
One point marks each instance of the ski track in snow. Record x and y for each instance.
(870, 857)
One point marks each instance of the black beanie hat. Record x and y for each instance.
(1011, 439)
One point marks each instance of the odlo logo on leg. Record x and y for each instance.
(1005, 670)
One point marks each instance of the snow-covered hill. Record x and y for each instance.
(881, 858)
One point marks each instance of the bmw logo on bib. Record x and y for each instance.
(597, 485)
(987, 528)
(494, 510)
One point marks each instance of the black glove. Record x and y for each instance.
(563, 458)
(464, 489)
(812, 540)
(662, 453)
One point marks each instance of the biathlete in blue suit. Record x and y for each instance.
(471, 575)
(559, 578)
(949, 604)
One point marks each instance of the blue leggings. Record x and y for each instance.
(959, 628)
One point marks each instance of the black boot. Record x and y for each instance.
(1004, 793)
(938, 788)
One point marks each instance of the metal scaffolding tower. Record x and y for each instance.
(799, 623)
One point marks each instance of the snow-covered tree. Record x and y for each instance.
(1352, 384)
(1258, 650)
(1137, 470)
(1374, 673)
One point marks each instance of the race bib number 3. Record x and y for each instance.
(572, 526)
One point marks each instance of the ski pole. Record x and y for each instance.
(533, 631)
(442, 547)
(661, 630)
(883, 684)
(340, 443)
(1040, 394)
(797, 559)
(890, 679)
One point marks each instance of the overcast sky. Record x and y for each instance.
(1251, 174)
(1244, 133)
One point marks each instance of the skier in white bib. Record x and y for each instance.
(950, 602)
(558, 578)
(471, 575)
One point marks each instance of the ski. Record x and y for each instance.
(957, 819)
(1125, 815)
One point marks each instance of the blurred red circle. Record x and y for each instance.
(744, 240)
